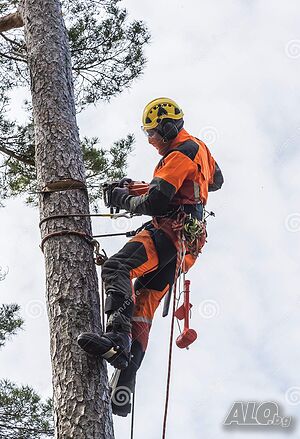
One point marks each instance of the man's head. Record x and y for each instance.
(162, 121)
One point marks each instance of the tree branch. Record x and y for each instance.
(13, 58)
(11, 21)
(14, 42)
(12, 154)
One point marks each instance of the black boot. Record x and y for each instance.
(123, 382)
(114, 345)
(121, 393)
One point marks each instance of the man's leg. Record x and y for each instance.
(146, 303)
(137, 257)
(149, 291)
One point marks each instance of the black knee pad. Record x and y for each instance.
(116, 301)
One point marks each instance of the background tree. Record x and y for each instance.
(22, 414)
(106, 57)
(10, 322)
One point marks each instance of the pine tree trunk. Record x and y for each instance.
(81, 397)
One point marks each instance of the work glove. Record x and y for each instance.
(125, 181)
(119, 194)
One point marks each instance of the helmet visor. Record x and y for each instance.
(149, 133)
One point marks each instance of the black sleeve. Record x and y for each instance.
(218, 180)
(155, 202)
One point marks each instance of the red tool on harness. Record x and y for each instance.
(188, 336)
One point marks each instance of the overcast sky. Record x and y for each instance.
(233, 66)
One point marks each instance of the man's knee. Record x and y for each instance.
(130, 257)
(111, 267)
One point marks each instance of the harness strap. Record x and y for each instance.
(84, 235)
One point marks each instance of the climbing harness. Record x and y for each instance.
(195, 235)
(108, 235)
(84, 235)
(127, 215)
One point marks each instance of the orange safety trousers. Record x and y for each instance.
(150, 258)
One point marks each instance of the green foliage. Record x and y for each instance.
(107, 55)
(102, 164)
(10, 322)
(107, 51)
(22, 414)
(18, 174)
(17, 170)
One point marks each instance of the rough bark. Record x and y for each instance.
(11, 21)
(81, 397)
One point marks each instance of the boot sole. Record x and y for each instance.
(98, 346)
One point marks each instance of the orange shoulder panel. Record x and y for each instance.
(175, 168)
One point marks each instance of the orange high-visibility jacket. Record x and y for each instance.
(183, 176)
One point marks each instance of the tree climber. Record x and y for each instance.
(179, 189)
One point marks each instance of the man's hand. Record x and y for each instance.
(118, 195)
(125, 181)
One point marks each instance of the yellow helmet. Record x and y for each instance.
(159, 109)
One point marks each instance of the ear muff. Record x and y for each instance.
(169, 128)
